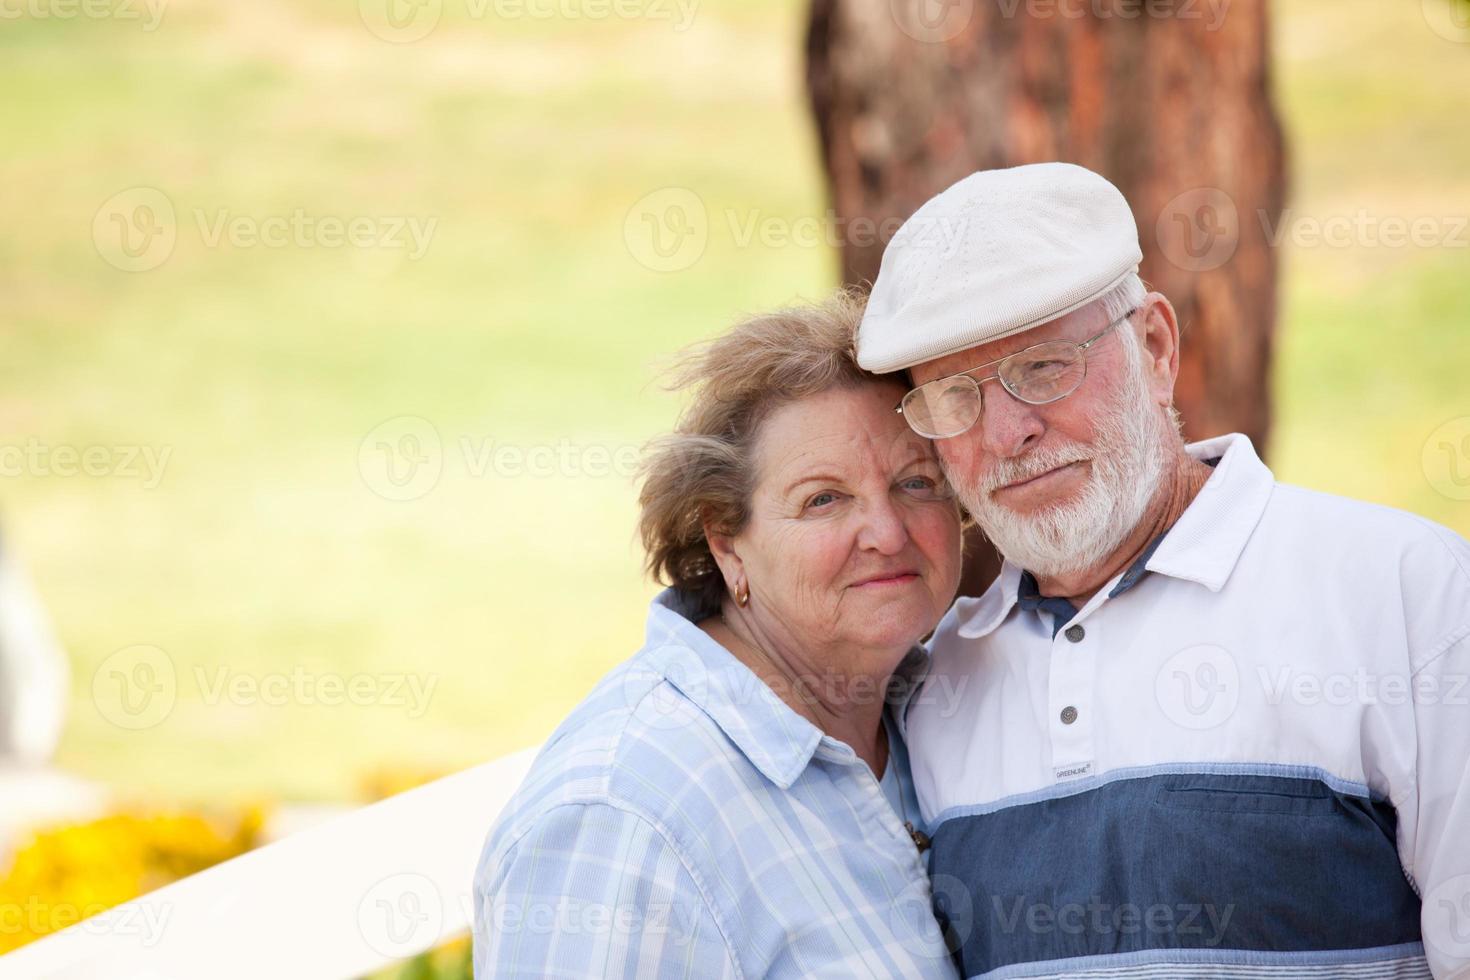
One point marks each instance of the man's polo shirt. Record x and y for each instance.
(1246, 756)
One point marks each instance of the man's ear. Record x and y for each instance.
(1160, 327)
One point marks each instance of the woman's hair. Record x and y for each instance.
(703, 472)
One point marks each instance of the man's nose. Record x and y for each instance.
(1008, 426)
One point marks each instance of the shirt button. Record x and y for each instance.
(1069, 715)
(1076, 633)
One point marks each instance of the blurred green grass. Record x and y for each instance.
(528, 321)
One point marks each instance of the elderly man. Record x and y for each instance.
(1203, 724)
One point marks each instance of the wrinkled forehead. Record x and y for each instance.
(847, 433)
(1075, 326)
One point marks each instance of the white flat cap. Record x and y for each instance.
(1000, 252)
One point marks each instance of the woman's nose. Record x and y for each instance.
(883, 529)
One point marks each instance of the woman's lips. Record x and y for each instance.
(885, 581)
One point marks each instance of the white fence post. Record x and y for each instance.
(335, 901)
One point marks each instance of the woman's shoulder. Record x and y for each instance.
(638, 743)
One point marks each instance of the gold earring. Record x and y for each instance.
(742, 598)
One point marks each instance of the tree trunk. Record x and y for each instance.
(1168, 99)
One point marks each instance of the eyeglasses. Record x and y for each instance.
(1037, 375)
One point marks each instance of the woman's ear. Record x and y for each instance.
(722, 547)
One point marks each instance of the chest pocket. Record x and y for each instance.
(1245, 795)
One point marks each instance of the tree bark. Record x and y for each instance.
(1169, 99)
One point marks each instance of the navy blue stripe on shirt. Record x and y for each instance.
(1204, 861)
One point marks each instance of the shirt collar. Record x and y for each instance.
(1203, 545)
(779, 742)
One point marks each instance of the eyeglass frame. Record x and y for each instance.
(1081, 348)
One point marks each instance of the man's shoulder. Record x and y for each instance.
(1333, 527)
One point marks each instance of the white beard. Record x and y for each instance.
(1127, 466)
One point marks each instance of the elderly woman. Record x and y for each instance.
(734, 801)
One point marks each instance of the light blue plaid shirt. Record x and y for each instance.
(684, 822)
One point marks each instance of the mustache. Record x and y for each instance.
(1032, 465)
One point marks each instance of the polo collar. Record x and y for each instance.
(1203, 545)
(779, 742)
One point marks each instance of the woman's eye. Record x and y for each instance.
(923, 487)
(821, 499)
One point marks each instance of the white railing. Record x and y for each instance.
(338, 900)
